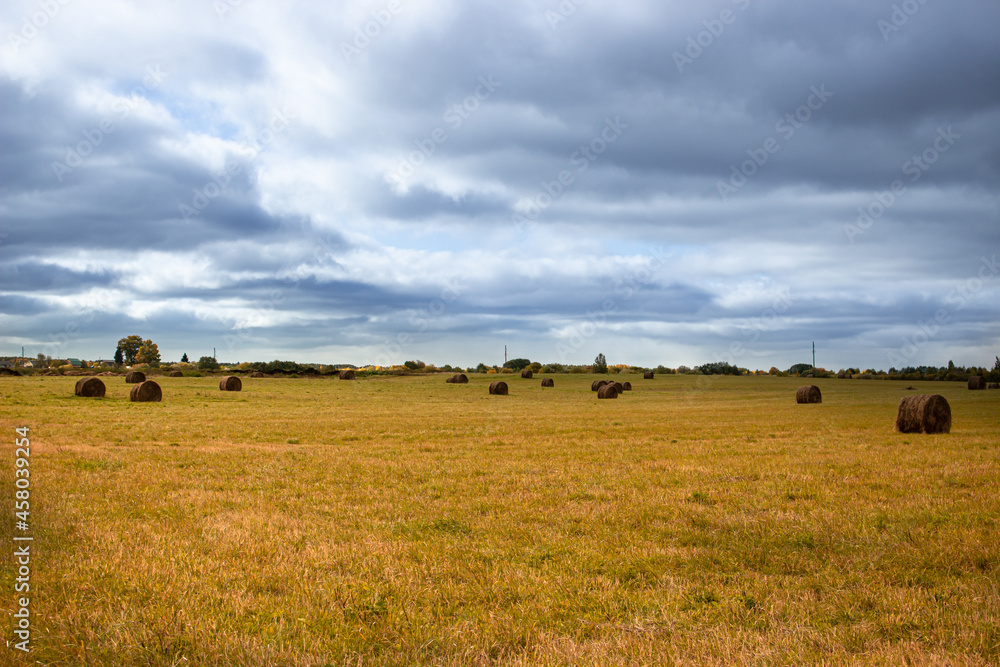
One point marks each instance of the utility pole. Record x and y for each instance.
(814, 354)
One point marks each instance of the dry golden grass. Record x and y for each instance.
(404, 520)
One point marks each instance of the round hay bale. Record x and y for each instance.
(597, 384)
(526, 374)
(619, 387)
(924, 413)
(548, 382)
(993, 385)
(648, 375)
(135, 377)
(230, 383)
(146, 392)
(626, 386)
(808, 394)
(977, 382)
(256, 374)
(346, 374)
(498, 388)
(176, 374)
(607, 391)
(459, 378)
(90, 388)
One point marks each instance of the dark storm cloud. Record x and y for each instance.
(419, 203)
(31, 276)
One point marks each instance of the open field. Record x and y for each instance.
(404, 520)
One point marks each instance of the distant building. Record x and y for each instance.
(75, 363)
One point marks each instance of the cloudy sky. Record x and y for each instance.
(382, 180)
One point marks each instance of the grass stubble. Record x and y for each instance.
(404, 520)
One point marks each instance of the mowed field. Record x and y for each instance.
(403, 520)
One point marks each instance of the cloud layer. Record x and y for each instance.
(380, 181)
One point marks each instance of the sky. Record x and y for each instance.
(378, 181)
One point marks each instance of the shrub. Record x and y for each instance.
(517, 364)
(719, 368)
(208, 364)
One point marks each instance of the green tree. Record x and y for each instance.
(798, 368)
(415, 365)
(600, 364)
(184, 358)
(119, 358)
(148, 353)
(517, 364)
(719, 368)
(130, 347)
(208, 364)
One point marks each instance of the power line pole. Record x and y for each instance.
(814, 354)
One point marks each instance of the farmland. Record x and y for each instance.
(403, 520)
